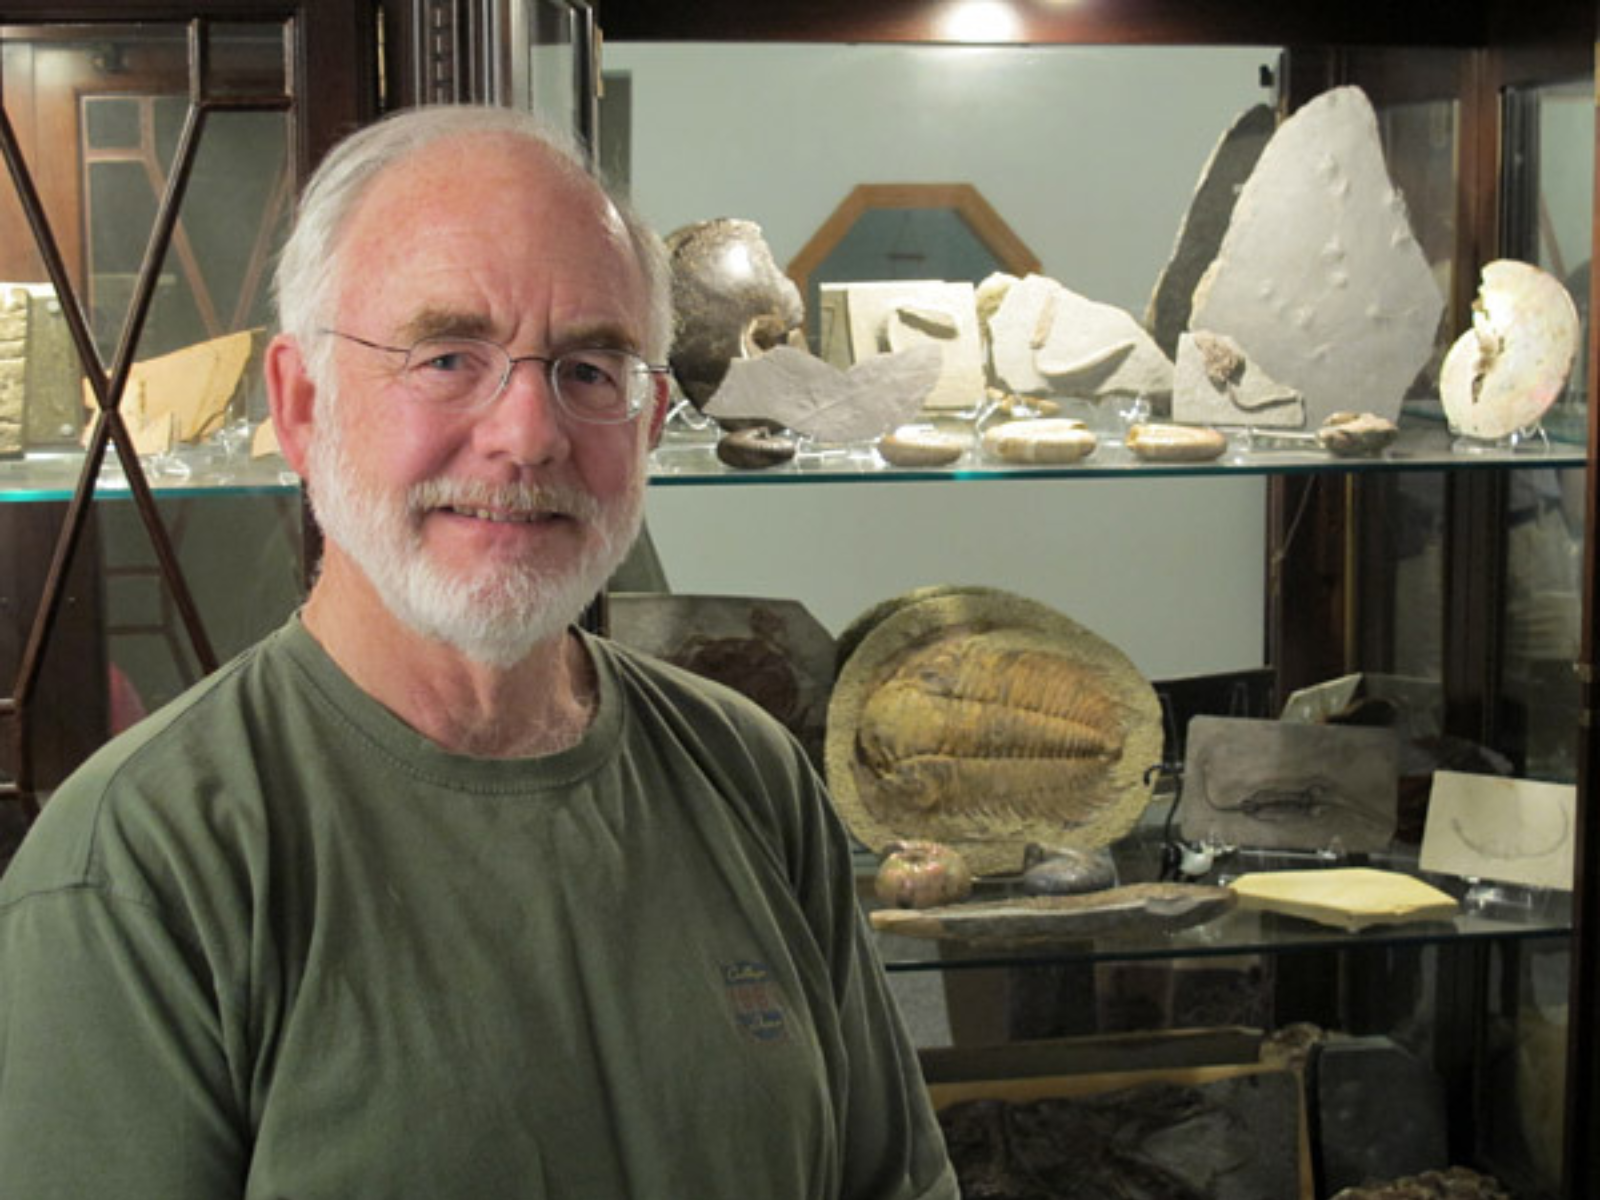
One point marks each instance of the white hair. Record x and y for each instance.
(310, 267)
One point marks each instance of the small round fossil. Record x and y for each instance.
(920, 446)
(755, 447)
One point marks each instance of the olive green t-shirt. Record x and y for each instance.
(274, 944)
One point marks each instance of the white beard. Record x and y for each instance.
(496, 614)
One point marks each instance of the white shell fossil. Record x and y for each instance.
(1047, 440)
(1159, 442)
(1504, 372)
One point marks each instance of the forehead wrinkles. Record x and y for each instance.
(509, 234)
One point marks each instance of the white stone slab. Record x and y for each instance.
(893, 316)
(1047, 340)
(1320, 278)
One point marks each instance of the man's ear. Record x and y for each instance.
(293, 399)
(661, 402)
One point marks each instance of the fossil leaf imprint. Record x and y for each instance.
(987, 722)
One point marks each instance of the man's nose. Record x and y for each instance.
(525, 421)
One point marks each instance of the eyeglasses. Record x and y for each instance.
(461, 374)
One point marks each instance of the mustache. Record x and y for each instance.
(558, 499)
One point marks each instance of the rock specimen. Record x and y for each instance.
(919, 874)
(987, 721)
(1357, 435)
(1200, 235)
(1215, 383)
(1054, 440)
(729, 298)
(1046, 340)
(1157, 442)
(921, 446)
(1065, 871)
(1319, 278)
(789, 387)
(1502, 374)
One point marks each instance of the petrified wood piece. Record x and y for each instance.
(1134, 908)
(988, 721)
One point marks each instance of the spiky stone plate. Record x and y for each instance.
(987, 721)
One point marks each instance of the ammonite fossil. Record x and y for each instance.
(986, 721)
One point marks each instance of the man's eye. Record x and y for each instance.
(589, 370)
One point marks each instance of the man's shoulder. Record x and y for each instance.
(139, 784)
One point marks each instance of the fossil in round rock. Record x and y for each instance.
(730, 300)
(987, 721)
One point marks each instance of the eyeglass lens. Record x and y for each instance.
(594, 385)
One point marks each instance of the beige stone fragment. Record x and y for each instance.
(194, 385)
(1052, 440)
(1346, 897)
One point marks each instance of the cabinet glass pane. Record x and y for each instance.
(106, 129)
(1548, 202)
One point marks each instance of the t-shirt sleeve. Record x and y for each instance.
(113, 1075)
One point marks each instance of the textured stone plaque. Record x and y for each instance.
(1319, 278)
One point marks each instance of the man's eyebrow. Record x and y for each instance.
(439, 322)
(597, 335)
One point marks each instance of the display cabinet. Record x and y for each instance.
(1473, 570)
(152, 154)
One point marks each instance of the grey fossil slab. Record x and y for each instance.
(1320, 278)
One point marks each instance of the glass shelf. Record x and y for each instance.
(52, 475)
(690, 459)
(1235, 932)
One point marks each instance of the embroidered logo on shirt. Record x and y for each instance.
(757, 1001)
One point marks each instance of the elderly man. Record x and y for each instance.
(430, 894)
